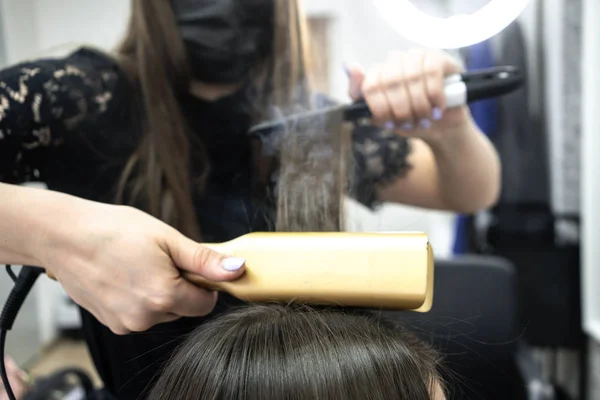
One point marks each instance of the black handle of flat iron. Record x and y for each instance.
(480, 85)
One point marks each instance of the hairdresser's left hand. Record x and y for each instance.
(407, 93)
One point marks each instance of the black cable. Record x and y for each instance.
(5, 381)
(11, 273)
(16, 298)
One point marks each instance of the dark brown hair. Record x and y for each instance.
(299, 353)
(157, 176)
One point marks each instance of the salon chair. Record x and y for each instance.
(474, 324)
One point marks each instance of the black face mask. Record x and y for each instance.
(225, 39)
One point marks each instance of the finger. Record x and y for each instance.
(14, 374)
(10, 364)
(415, 84)
(12, 368)
(434, 77)
(356, 75)
(193, 257)
(448, 63)
(396, 92)
(374, 94)
(192, 301)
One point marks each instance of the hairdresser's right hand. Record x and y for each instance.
(123, 266)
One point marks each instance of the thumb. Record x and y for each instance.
(193, 257)
(356, 75)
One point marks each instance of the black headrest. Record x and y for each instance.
(474, 310)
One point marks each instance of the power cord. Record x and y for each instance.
(3, 373)
(23, 284)
(11, 273)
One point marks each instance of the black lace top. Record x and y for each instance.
(70, 122)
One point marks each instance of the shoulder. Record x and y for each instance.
(62, 82)
(88, 56)
(110, 93)
(91, 96)
(83, 63)
(97, 67)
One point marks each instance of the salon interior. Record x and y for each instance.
(515, 295)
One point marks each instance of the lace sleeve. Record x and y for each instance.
(380, 157)
(41, 101)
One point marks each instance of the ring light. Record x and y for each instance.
(449, 33)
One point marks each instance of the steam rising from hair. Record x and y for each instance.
(313, 157)
(313, 176)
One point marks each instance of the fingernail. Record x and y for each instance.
(425, 123)
(407, 126)
(390, 125)
(437, 114)
(233, 263)
(347, 70)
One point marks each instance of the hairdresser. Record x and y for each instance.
(146, 156)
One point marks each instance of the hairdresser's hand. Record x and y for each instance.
(17, 379)
(123, 266)
(407, 93)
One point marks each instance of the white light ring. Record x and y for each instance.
(449, 33)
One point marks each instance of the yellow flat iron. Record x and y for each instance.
(371, 270)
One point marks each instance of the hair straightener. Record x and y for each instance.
(368, 270)
(460, 90)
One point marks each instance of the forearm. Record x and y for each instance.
(468, 169)
(31, 221)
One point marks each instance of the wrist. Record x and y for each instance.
(60, 232)
(37, 225)
(453, 135)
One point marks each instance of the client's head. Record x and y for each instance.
(280, 353)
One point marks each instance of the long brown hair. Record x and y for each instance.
(157, 177)
(300, 353)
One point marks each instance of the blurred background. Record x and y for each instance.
(546, 226)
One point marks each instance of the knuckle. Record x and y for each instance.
(161, 301)
(432, 72)
(136, 324)
(413, 78)
(201, 256)
(119, 330)
(371, 83)
(369, 87)
(392, 81)
(115, 327)
(436, 93)
(208, 306)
